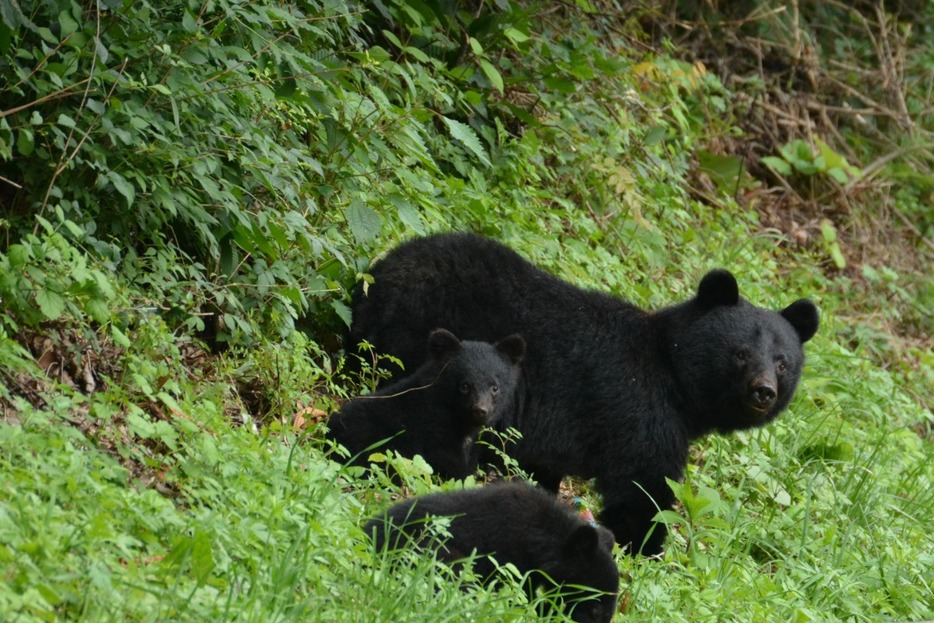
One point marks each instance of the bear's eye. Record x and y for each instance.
(495, 389)
(742, 355)
(465, 387)
(782, 367)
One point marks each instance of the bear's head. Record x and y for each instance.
(737, 364)
(587, 575)
(476, 379)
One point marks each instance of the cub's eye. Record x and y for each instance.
(781, 367)
(465, 387)
(742, 355)
(495, 389)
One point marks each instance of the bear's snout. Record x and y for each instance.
(481, 413)
(762, 393)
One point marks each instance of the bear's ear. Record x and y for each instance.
(582, 544)
(718, 287)
(513, 347)
(442, 343)
(803, 316)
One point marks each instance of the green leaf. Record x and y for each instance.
(828, 231)
(67, 23)
(777, 164)
(378, 54)
(561, 85)
(364, 223)
(516, 36)
(408, 214)
(140, 426)
(189, 23)
(725, 171)
(668, 517)
(6, 38)
(492, 73)
(123, 186)
(97, 309)
(839, 175)
(342, 311)
(119, 337)
(25, 142)
(464, 134)
(51, 304)
(100, 50)
(11, 15)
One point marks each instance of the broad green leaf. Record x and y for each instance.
(25, 142)
(97, 309)
(140, 426)
(67, 23)
(123, 187)
(51, 304)
(464, 134)
(119, 337)
(516, 36)
(408, 214)
(725, 171)
(342, 311)
(561, 85)
(11, 15)
(364, 223)
(416, 54)
(668, 517)
(189, 23)
(839, 175)
(777, 164)
(378, 54)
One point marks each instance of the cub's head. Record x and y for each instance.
(587, 575)
(738, 364)
(477, 379)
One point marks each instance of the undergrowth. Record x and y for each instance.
(190, 190)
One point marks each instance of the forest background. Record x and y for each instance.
(189, 189)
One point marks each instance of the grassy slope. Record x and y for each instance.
(157, 497)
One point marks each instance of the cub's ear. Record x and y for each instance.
(513, 347)
(718, 287)
(582, 544)
(442, 343)
(803, 316)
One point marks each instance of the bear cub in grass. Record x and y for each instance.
(517, 524)
(438, 410)
(609, 391)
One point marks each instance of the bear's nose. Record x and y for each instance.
(480, 411)
(763, 394)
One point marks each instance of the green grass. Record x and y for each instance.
(112, 509)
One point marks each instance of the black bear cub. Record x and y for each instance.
(514, 523)
(609, 391)
(438, 410)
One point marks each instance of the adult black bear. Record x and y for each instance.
(516, 524)
(609, 391)
(439, 409)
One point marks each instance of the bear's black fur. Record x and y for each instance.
(438, 410)
(516, 524)
(609, 391)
